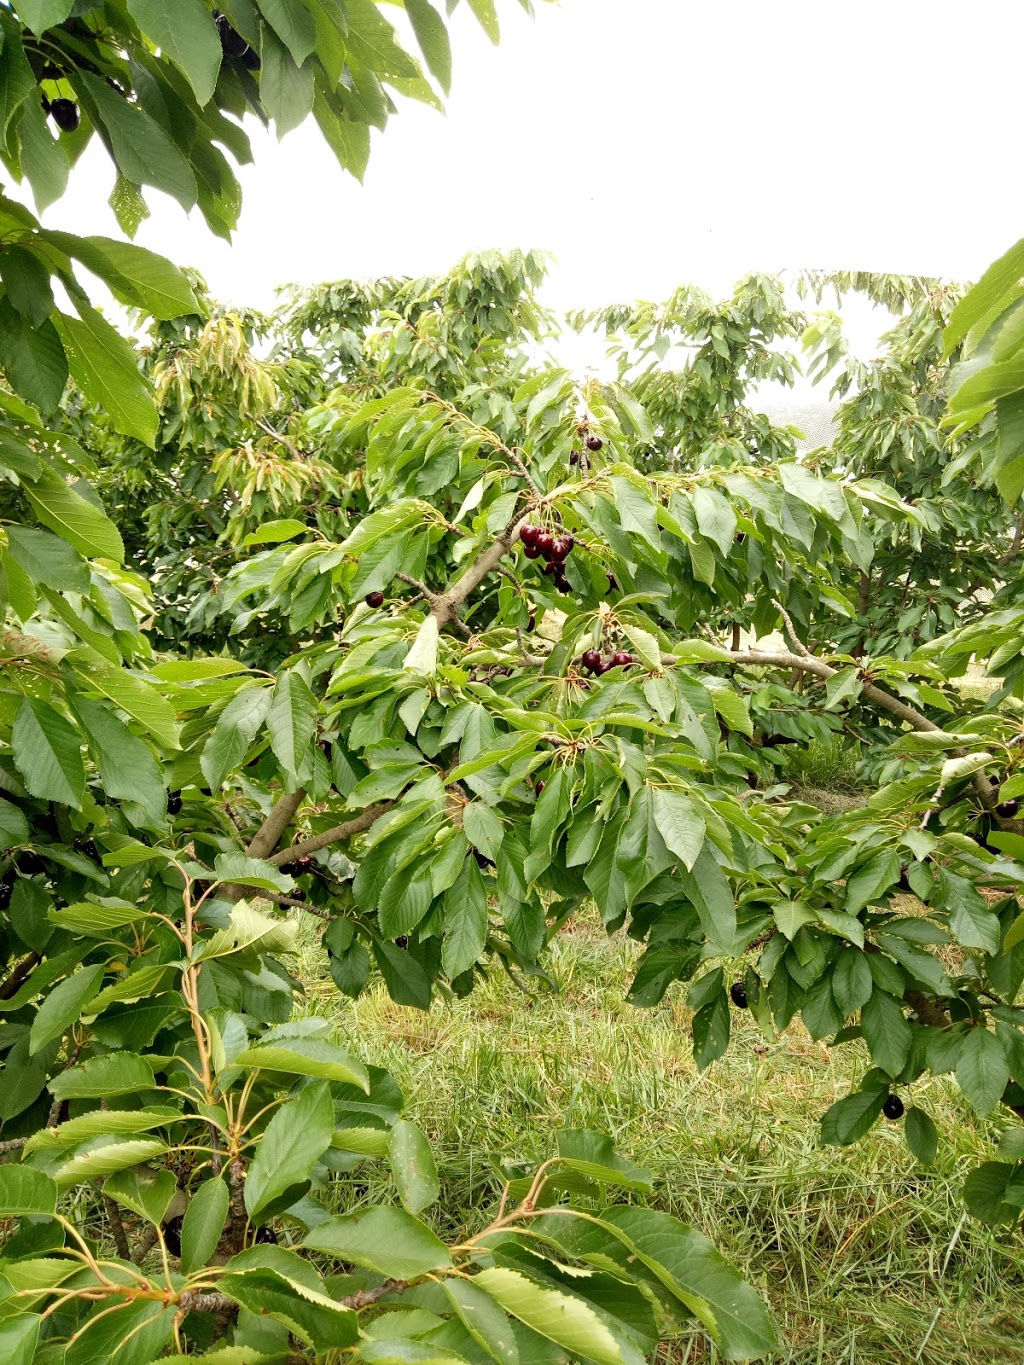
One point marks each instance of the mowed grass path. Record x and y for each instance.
(864, 1255)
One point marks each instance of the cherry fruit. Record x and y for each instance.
(375, 599)
(893, 1107)
(65, 115)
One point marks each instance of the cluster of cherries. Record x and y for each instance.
(592, 443)
(555, 550)
(591, 661)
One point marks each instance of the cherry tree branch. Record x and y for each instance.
(269, 833)
(335, 835)
(885, 701)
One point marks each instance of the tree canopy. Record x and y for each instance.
(367, 608)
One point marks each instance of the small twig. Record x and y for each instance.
(798, 644)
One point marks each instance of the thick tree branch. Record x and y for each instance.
(885, 701)
(335, 835)
(117, 1228)
(268, 836)
(18, 976)
(446, 605)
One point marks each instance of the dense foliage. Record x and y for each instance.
(150, 1049)
(366, 608)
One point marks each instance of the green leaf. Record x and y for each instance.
(1001, 279)
(286, 88)
(143, 152)
(386, 1240)
(852, 982)
(922, 1135)
(707, 889)
(432, 35)
(63, 1006)
(422, 657)
(141, 701)
(291, 721)
(128, 770)
(274, 532)
(186, 33)
(887, 1033)
(139, 278)
(851, 1117)
(147, 1193)
(44, 159)
(485, 1322)
(248, 928)
(692, 1269)
(106, 369)
(293, 24)
(17, 80)
(488, 17)
(679, 823)
(235, 730)
(73, 518)
(871, 880)
(203, 1224)
(306, 1057)
(13, 825)
(970, 919)
(18, 1337)
(30, 903)
(981, 1070)
(43, 14)
(239, 868)
(108, 1158)
(47, 751)
(90, 917)
(711, 1027)
(100, 1123)
(593, 1155)
(271, 1291)
(465, 921)
(413, 1168)
(992, 1192)
(117, 1073)
(26, 1192)
(33, 358)
(563, 1319)
(292, 1143)
(27, 282)
(483, 829)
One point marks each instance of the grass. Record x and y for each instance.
(864, 1255)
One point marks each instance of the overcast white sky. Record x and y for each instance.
(648, 142)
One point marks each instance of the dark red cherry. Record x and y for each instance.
(375, 599)
(549, 567)
(544, 542)
(591, 660)
(530, 550)
(594, 443)
(574, 457)
(560, 550)
(528, 534)
(621, 659)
